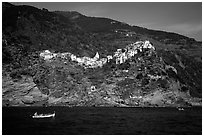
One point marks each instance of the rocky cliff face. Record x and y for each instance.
(167, 74)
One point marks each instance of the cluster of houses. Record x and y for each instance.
(120, 56)
(87, 62)
(48, 56)
(90, 62)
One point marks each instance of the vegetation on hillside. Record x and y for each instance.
(27, 31)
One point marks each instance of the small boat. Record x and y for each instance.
(180, 109)
(43, 115)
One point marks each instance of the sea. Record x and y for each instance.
(102, 121)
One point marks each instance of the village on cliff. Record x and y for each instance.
(121, 55)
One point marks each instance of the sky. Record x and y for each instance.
(184, 17)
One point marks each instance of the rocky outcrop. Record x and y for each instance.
(21, 92)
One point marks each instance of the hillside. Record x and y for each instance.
(170, 75)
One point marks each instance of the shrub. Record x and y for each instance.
(15, 74)
(163, 83)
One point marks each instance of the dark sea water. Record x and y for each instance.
(102, 121)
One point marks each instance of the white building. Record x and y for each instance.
(109, 57)
(47, 55)
(96, 56)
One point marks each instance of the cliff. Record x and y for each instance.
(60, 58)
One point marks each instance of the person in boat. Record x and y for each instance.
(35, 114)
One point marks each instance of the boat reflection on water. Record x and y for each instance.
(43, 115)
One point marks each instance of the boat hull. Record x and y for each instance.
(44, 116)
